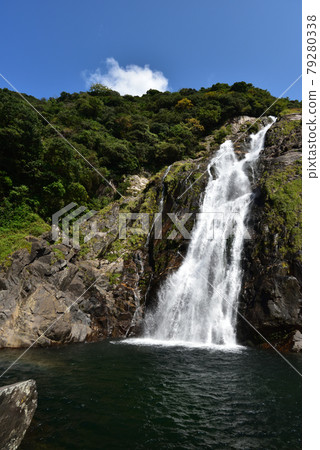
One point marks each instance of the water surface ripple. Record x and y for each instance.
(110, 396)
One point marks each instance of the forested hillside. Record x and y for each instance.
(118, 135)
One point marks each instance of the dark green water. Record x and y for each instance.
(118, 396)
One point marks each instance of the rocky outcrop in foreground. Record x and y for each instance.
(18, 403)
(53, 294)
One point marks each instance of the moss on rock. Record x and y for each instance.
(283, 208)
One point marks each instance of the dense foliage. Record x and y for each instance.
(119, 135)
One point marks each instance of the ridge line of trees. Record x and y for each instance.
(119, 135)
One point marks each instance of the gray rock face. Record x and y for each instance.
(52, 296)
(18, 403)
(271, 291)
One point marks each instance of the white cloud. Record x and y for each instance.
(132, 79)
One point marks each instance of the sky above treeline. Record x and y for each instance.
(132, 46)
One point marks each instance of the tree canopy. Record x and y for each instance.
(118, 135)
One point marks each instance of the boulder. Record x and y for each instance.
(18, 403)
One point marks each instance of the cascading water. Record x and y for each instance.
(198, 303)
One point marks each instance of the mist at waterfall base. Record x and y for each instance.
(197, 304)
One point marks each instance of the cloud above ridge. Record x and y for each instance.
(132, 79)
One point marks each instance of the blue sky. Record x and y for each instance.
(48, 46)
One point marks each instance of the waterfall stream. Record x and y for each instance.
(197, 305)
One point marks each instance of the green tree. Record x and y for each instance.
(184, 104)
(77, 193)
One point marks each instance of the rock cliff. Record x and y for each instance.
(271, 290)
(104, 288)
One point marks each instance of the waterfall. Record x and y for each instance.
(197, 304)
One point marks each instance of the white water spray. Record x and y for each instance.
(197, 304)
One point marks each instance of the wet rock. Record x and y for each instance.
(297, 341)
(271, 295)
(18, 403)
